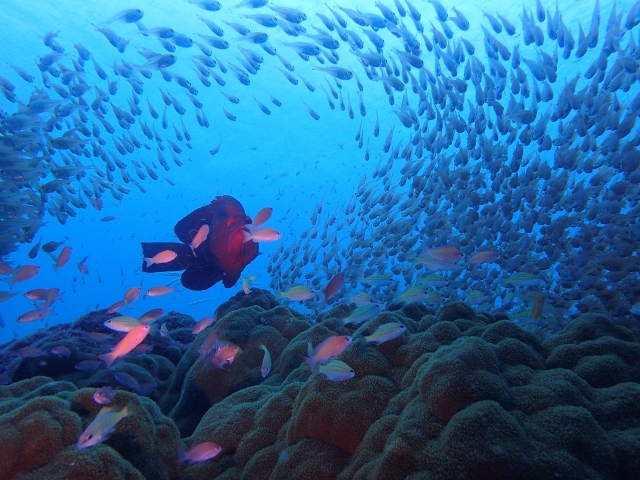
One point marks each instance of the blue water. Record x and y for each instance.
(287, 161)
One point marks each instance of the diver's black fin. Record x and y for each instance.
(184, 259)
(185, 229)
(200, 277)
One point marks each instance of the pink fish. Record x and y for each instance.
(115, 307)
(142, 348)
(97, 336)
(28, 352)
(34, 315)
(23, 274)
(127, 380)
(486, 256)
(334, 285)
(159, 291)
(61, 351)
(198, 453)
(208, 345)
(104, 395)
(151, 316)
(5, 269)
(52, 296)
(225, 354)
(442, 254)
(131, 295)
(63, 258)
(130, 341)
(164, 256)
(204, 323)
(200, 236)
(260, 219)
(262, 235)
(330, 347)
(37, 294)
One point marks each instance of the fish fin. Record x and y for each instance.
(130, 409)
(309, 349)
(183, 260)
(230, 277)
(197, 218)
(107, 358)
(201, 277)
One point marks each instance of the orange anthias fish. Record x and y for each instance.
(330, 347)
(334, 285)
(486, 256)
(200, 236)
(165, 256)
(130, 341)
(159, 291)
(198, 453)
(264, 234)
(82, 266)
(115, 307)
(260, 219)
(34, 315)
(63, 259)
(23, 274)
(132, 295)
(204, 323)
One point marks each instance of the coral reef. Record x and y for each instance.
(41, 420)
(460, 394)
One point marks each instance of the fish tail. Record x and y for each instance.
(311, 362)
(130, 409)
(107, 358)
(247, 236)
(181, 455)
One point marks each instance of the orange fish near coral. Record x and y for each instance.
(130, 341)
(198, 453)
(330, 347)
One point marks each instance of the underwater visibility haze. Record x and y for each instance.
(367, 239)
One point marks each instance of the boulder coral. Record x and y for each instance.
(41, 421)
(459, 395)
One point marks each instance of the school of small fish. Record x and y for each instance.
(506, 184)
